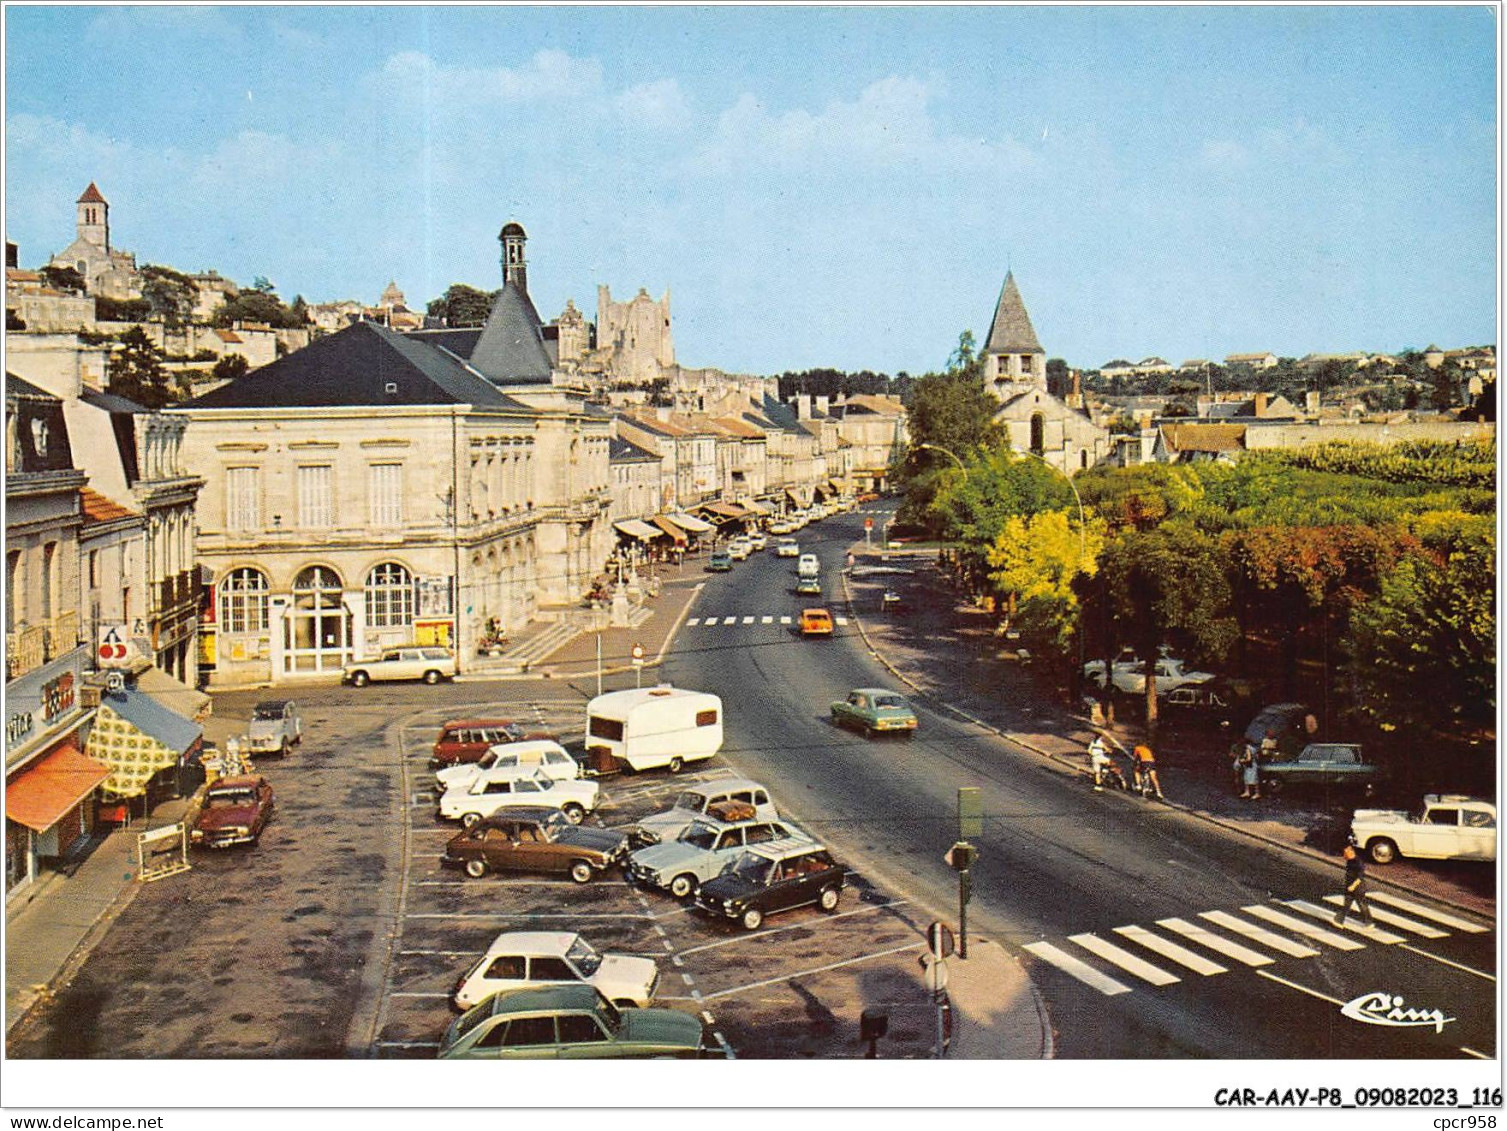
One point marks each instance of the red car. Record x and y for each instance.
(236, 810)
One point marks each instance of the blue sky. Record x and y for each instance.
(815, 186)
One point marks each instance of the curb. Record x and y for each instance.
(1207, 818)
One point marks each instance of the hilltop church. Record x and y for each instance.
(1015, 371)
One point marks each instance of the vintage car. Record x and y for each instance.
(235, 811)
(771, 878)
(534, 839)
(466, 740)
(520, 960)
(545, 755)
(1449, 826)
(700, 852)
(720, 562)
(787, 548)
(497, 789)
(1131, 679)
(275, 726)
(1321, 763)
(568, 1023)
(739, 549)
(816, 622)
(758, 540)
(809, 587)
(875, 710)
(697, 802)
(428, 664)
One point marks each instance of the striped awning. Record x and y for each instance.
(687, 522)
(725, 510)
(636, 528)
(40, 797)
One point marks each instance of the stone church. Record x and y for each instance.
(108, 271)
(1015, 371)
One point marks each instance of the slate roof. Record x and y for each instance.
(353, 367)
(1011, 330)
(112, 403)
(511, 349)
(779, 414)
(626, 451)
(460, 342)
(15, 386)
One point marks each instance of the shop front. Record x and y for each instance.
(144, 744)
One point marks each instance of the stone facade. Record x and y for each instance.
(107, 271)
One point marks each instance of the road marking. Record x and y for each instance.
(729, 620)
(792, 927)
(1124, 960)
(841, 621)
(687, 979)
(1474, 1053)
(1300, 989)
(1447, 962)
(409, 1044)
(766, 620)
(1396, 920)
(414, 993)
(457, 882)
(677, 960)
(692, 622)
(816, 970)
(1077, 968)
(1427, 912)
(748, 620)
(442, 953)
(1166, 949)
(1259, 934)
(1302, 927)
(512, 915)
(784, 620)
(1375, 934)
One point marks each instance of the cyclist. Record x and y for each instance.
(1145, 770)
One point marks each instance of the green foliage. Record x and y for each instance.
(258, 303)
(170, 295)
(63, 279)
(14, 321)
(834, 382)
(229, 367)
(121, 310)
(134, 370)
(1420, 461)
(1035, 560)
(461, 305)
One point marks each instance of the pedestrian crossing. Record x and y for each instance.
(1251, 937)
(742, 620)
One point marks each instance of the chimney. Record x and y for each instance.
(1311, 402)
(1260, 405)
(803, 406)
(822, 404)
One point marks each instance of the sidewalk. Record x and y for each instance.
(51, 932)
(977, 676)
(577, 657)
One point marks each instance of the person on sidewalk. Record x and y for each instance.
(1099, 761)
(1145, 769)
(1355, 888)
(1249, 767)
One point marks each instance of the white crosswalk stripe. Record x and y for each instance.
(1382, 916)
(1427, 912)
(1280, 943)
(841, 621)
(1181, 955)
(692, 622)
(748, 620)
(784, 620)
(1352, 922)
(729, 620)
(1302, 927)
(766, 620)
(1125, 960)
(1077, 968)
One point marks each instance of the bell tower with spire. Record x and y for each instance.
(94, 218)
(1014, 361)
(514, 267)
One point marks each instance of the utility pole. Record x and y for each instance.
(962, 854)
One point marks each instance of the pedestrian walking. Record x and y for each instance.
(1098, 760)
(1249, 765)
(1355, 887)
(1145, 770)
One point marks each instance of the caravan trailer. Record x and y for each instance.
(650, 727)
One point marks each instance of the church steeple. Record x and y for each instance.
(514, 267)
(1014, 361)
(94, 217)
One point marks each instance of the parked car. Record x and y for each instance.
(720, 562)
(787, 548)
(520, 960)
(1321, 763)
(758, 540)
(535, 839)
(275, 726)
(235, 811)
(466, 740)
(816, 622)
(875, 710)
(494, 790)
(771, 878)
(739, 549)
(1448, 826)
(1170, 675)
(697, 802)
(545, 755)
(809, 587)
(429, 664)
(699, 853)
(568, 1023)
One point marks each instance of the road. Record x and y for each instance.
(1086, 880)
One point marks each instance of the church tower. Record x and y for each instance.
(94, 218)
(1014, 361)
(514, 269)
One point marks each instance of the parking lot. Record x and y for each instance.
(793, 989)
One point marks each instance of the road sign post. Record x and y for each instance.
(638, 665)
(961, 856)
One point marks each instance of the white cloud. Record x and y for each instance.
(660, 105)
(549, 75)
(1297, 143)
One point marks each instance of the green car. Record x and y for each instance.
(721, 561)
(875, 711)
(568, 1023)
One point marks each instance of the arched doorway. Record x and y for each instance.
(317, 631)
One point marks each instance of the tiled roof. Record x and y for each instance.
(97, 508)
(1204, 437)
(1011, 330)
(229, 336)
(355, 366)
(92, 195)
(739, 427)
(881, 405)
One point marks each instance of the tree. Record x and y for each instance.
(1446, 386)
(170, 295)
(134, 370)
(63, 279)
(121, 310)
(258, 303)
(461, 305)
(1035, 561)
(229, 367)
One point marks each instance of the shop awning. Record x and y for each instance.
(668, 527)
(636, 528)
(694, 525)
(136, 737)
(41, 796)
(174, 694)
(758, 508)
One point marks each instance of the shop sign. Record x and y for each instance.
(18, 727)
(434, 597)
(57, 697)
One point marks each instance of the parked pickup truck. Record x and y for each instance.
(1322, 763)
(1449, 826)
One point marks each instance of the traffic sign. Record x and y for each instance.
(868, 524)
(114, 645)
(638, 653)
(939, 940)
(936, 973)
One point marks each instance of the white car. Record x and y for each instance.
(493, 791)
(1449, 826)
(739, 549)
(808, 566)
(681, 865)
(429, 664)
(1170, 675)
(694, 803)
(549, 757)
(521, 960)
(787, 548)
(758, 540)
